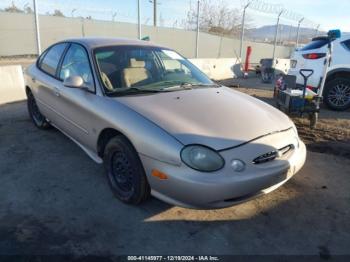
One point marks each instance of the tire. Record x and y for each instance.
(125, 172)
(38, 119)
(337, 94)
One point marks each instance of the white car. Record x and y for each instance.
(312, 56)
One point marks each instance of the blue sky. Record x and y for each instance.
(324, 12)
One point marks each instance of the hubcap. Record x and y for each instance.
(339, 95)
(121, 172)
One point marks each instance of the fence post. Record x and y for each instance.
(155, 13)
(139, 19)
(82, 27)
(297, 40)
(197, 33)
(36, 16)
(316, 33)
(242, 31)
(276, 33)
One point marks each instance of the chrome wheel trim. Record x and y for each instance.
(339, 95)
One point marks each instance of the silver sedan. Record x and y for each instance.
(159, 125)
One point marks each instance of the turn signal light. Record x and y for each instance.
(159, 174)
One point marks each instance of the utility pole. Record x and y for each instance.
(276, 33)
(242, 31)
(197, 34)
(139, 19)
(297, 40)
(154, 13)
(37, 27)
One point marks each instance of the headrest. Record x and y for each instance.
(136, 63)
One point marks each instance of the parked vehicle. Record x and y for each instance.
(336, 92)
(304, 101)
(159, 125)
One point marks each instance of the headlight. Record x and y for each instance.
(202, 158)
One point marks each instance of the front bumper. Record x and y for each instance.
(193, 189)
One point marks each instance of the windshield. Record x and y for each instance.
(129, 69)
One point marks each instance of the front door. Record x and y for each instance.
(76, 105)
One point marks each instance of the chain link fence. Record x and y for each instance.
(204, 29)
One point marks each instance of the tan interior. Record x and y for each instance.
(136, 73)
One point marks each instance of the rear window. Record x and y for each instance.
(315, 44)
(347, 44)
(50, 61)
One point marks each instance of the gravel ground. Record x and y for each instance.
(55, 200)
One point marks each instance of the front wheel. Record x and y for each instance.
(38, 119)
(125, 172)
(337, 94)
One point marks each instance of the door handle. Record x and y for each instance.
(56, 91)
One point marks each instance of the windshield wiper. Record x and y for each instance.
(187, 85)
(133, 90)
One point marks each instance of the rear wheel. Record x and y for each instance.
(38, 119)
(125, 172)
(337, 94)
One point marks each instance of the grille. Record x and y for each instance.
(266, 157)
(272, 155)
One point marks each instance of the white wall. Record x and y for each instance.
(17, 37)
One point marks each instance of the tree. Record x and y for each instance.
(13, 9)
(215, 17)
(57, 12)
(28, 10)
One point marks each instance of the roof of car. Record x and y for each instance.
(93, 42)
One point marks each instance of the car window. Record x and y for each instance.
(173, 65)
(76, 63)
(51, 59)
(40, 60)
(314, 44)
(346, 44)
(145, 68)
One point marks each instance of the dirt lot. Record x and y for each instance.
(55, 200)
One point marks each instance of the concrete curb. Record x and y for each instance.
(218, 69)
(11, 84)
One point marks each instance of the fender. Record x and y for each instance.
(338, 70)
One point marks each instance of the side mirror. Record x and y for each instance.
(73, 82)
(334, 34)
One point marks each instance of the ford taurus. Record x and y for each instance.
(159, 125)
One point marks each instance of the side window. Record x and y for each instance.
(76, 63)
(51, 59)
(346, 44)
(40, 59)
(173, 64)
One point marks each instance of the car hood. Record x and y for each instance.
(216, 117)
